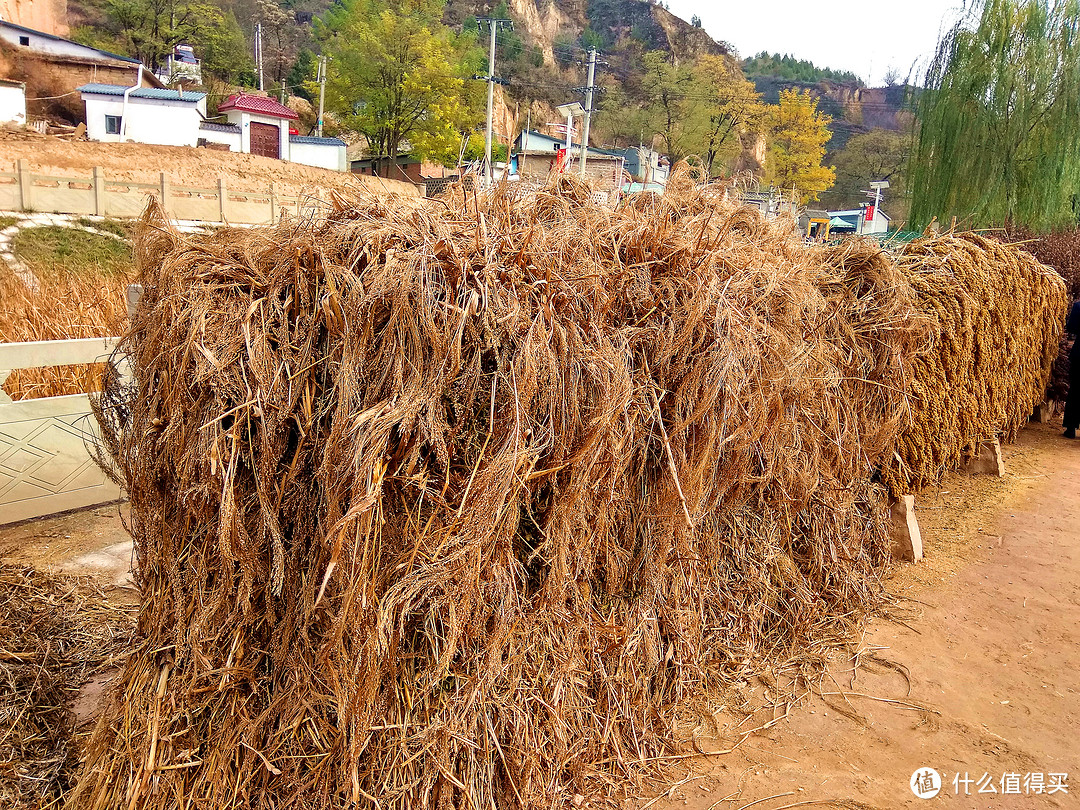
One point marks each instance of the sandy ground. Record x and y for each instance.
(981, 678)
(89, 542)
(185, 166)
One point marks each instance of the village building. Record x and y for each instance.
(866, 220)
(264, 124)
(406, 168)
(143, 115)
(537, 155)
(255, 124)
(12, 102)
(647, 167)
(65, 64)
(181, 67)
(326, 153)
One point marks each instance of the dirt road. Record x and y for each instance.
(985, 679)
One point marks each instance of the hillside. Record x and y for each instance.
(613, 26)
(646, 74)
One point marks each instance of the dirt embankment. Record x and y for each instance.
(185, 166)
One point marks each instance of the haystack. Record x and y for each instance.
(467, 506)
(998, 317)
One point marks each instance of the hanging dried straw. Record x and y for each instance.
(999, 314)
(465, 506)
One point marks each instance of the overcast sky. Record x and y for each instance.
(865, 38)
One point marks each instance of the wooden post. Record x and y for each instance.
(166, 194)
(273, 205)
(132, 296)
(25, 202)
(99, 191)
(1043, 413)
(987, 460)
(223, 198)
(904, 530)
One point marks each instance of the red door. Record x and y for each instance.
(265, 140)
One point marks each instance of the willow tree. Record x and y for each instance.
(999, 120)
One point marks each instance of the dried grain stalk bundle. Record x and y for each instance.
(999, 316)
(55, 634)
(1061, 251)
(468, 506)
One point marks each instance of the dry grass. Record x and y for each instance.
(468, 506)
(82, 278)
(55, 634)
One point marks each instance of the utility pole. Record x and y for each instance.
(493, 25)
(322, 93)
(258, 53)
(588, 108)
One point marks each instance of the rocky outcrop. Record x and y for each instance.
(49, 16)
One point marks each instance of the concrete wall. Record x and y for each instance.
(233, 140)
(12, 104)
(159, 121)
(65, 75)
(326, 156)
(97, 195)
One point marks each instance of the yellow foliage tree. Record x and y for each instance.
(797, 133)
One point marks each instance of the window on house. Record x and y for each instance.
(24, 40)
(112, 124)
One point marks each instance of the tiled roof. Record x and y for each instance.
(316, 141)
(143, 92)
(214, 126)
(258, 104)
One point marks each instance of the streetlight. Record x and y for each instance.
(569, 111)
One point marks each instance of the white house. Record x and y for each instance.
(646, 165)
(12, 102)
(41, 42)
(326, 153)
(178, 118)
(181, 66)
(264, 124)
(144, 115)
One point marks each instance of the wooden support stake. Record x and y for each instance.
(223, 198)
(904, 530)
(987, 460)
(166, 194)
